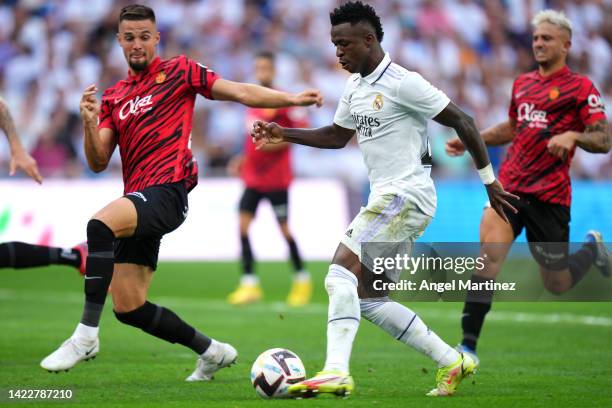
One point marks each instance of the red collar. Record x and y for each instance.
(561, 72)
(150, 68)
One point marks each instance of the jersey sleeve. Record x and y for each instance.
(105, 117)
(418, 95)
(589, 103)
(200, 78)
(512, 111)
(343, 112)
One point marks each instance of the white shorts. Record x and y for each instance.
(386, 218)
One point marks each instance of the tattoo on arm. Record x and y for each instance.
(595, 138)
(499, 134)
(7, 124)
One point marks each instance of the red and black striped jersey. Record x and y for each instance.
(544, 107)
(269, 170)
(151, 116)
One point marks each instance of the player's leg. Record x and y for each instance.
(496, 237)
(116, 220)
(343, 319)
(21, 255)
(548, 235)
(130, 286)
(301, 289)
(249, 289)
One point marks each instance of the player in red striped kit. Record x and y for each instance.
(267, 174)
(552, 111)
(149, 115)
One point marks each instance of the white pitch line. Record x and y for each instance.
(312, 309)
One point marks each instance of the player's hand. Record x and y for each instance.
(90, 107)
(23, 161)
(562, 144)
(498, 198)
(307, 98)
(455, 147)
(264, 133)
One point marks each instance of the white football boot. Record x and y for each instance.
(218, 356)
(70, 353)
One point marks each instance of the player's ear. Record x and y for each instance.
(157, 37)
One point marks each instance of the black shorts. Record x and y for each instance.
(279, 199)
(161, 209)
(547, 229)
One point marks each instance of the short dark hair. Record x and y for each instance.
(355, 12)
(135, 12)
(269, 55)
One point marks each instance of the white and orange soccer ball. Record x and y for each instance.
(274, 370)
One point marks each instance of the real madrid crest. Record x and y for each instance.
(378, 102)
(161, 77)
(554, 93)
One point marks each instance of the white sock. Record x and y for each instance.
(85, 333)
(342, 317)
(249, 279)
(302, 276)
(403, 324)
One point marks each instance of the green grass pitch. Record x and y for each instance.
(545, 355)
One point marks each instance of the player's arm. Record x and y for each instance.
(100, 143)
(262, 97)
(327, 137)
(497, 135)
(20, 159)
(466, 129)
(594, 139)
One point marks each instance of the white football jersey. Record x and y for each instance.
(389, 110)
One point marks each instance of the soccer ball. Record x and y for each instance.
(274, 370)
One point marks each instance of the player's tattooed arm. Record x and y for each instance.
(595, 138)
(327, 137)
(20, 159)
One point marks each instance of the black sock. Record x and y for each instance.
(166, 325)
(580, 261)
(247, 255)
(20, 255)
(294, 253)
(477, 305)
(98, 271)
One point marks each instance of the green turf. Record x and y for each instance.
(528, 358)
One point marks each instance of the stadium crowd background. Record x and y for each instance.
(51, 50)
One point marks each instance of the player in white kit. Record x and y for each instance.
(387, 107)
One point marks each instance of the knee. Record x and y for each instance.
(97, 231)
(556, 286)
(126, 304)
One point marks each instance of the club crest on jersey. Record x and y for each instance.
(136, 106)
(536, 118)
(160, 78)
(378, 102)
(554, 93)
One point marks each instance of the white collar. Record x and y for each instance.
(375, 75)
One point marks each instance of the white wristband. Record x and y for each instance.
(486, 174)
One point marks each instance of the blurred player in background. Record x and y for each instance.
(20, 159)
(21, 255)
(267, 174)
(387, 107)
(149, 115)
(552, 111)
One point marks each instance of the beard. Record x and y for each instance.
(138, 66)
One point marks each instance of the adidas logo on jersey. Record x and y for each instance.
(349, 233)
